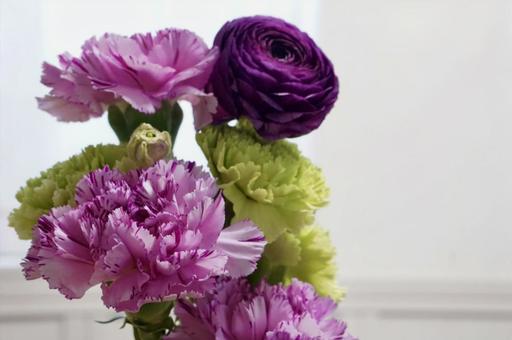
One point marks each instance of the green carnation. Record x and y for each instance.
(308, 256)
(270, 183)
(56, 186)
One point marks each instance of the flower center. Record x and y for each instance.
(279, 50)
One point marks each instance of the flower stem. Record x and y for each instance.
(152, 321)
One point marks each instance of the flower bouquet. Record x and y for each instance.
(233, 253)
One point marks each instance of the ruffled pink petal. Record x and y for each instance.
(208, 219)
(121, 293)
(72, 97)
(138, 241)
(60, 253)
(309, 326)
(204, 105)
(279, 309)
(70, 277)
(136, 98)
(235, 310)
(148, 235)
(196, 329)
(143, 70)
(30, 264)
(53, 77)
(250, 319)
(243, 243)
(64, 109)
(103, 182)
(189, 266)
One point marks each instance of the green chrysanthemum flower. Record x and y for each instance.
(270, 183)
(308, 256)
(56, 186)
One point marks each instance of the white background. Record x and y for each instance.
(417, 151)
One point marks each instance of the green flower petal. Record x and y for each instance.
(285, 251)
(308, 256)
(56, 186)
(270, 183)
(317, 262)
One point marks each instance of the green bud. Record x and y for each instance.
(148, 145)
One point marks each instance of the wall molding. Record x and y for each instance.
(426, 309)
(370, 307)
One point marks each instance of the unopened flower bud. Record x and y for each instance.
(148, 145)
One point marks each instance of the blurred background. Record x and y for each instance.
(417, 152)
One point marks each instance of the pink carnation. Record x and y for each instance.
(235, 310)
(149, 235)
(72, 97)
(142, 70)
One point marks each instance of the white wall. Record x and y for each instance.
(418, 149)
(417, 152)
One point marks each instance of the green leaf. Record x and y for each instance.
(115, 318)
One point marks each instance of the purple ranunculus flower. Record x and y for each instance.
(235, 310)
(271, 72)
(148, 235)
(142, 70)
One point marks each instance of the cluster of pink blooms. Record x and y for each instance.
(235, 310)
(142, 70)
(148, 235)
(159, 233)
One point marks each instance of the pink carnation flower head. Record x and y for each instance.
(148, 235)
(235, 310)
(72, 97)
(142, 70)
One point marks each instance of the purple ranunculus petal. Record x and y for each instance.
(271, 72)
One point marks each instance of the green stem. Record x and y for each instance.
(152, 321)
(229, 212)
